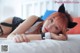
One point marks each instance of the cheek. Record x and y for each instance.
(46, 23)
(53, 29)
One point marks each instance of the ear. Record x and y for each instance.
(61, 9)
(72, 24)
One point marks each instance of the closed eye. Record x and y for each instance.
(51, 20)
(56, 27)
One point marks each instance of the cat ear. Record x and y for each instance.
(61, 9)
(72, 24)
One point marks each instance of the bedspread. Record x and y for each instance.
(72, 45)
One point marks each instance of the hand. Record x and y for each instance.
(58, 36)
(21, 38)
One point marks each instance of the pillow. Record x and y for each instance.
(76, 29)
(47, 13)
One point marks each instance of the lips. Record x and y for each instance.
(46, 30)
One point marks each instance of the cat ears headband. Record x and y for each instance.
(62, 10)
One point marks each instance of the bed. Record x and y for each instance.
(72, 45)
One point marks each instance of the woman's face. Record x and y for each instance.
(50, 26)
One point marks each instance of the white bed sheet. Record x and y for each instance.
(72, 45)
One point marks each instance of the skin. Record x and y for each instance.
(48, 24)
(6, 30)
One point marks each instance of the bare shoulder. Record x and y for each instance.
(33, 17)
(8, 20)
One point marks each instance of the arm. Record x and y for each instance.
(52, 35)
(27, 38)
(59, 37)
(24, 26)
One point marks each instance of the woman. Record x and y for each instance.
(54, 27)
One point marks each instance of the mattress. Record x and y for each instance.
(72, 45)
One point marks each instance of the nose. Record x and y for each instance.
(50, 26)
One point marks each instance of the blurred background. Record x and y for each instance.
(26, 8)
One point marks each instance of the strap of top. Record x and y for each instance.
(6, 24)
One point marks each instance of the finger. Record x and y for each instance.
(21, 38)
(25, 38)
(17, 39)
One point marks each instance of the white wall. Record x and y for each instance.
(10, 8)
(73, 8)
(16, 7)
